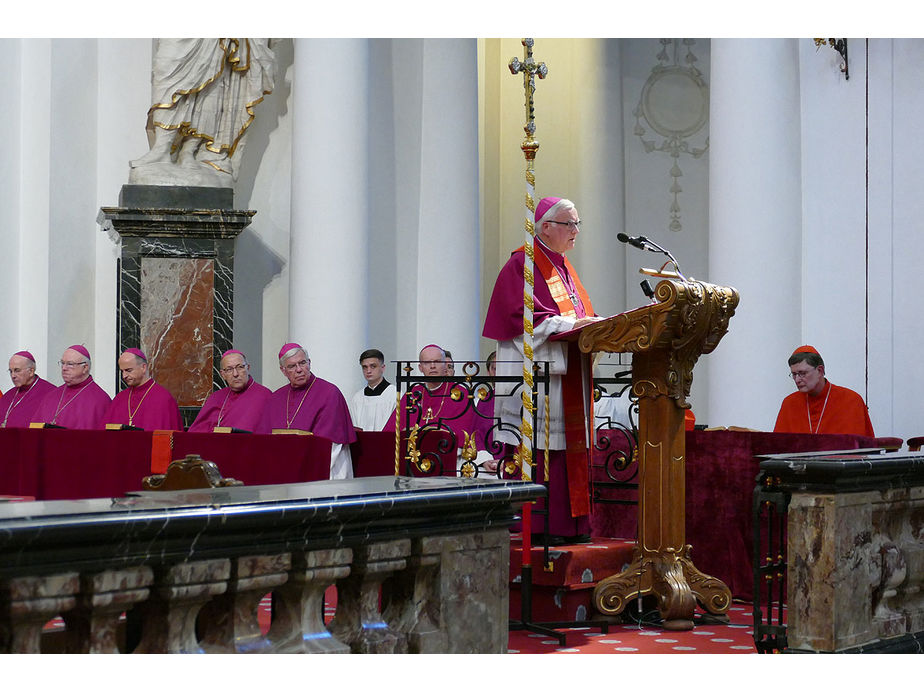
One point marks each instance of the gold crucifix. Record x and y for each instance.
(530, 69)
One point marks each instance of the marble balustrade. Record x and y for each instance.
(420, 565)
(854, 551)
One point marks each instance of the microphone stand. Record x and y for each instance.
(654, 247)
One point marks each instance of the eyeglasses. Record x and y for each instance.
(430, 363)
(573, 224)
(71, 364)
(800, 375)
(292, 367)
(235, 369)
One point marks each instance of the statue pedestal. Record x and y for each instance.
(175, 297)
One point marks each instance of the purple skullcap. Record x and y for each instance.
(25, 355)
(138, 353)
(234, 351)
(437, 346)
(544, 204)
(80, 349)
(288, 347)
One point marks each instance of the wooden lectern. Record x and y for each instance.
(665, 340)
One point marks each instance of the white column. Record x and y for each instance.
(329, 234)
(34, 210)
(755, 234)
(124, 93)
(10, 209)
(449, 251)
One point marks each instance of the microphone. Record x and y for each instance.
(648, 291)
(643, 243)
(639, 242)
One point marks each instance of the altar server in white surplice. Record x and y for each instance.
(371, 407)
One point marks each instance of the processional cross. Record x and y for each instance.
(530, 70)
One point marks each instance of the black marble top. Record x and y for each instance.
(844, 471)
(154, 527)
(176, 196)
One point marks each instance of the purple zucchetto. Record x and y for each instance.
(138, 353)
(25, 355)
(80, 349)
(288, 347)
(544, 204)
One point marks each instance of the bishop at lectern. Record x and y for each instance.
(560, 304)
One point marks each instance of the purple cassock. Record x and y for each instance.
(18, 406)
(504, 323)
(74, 406)
(242, 410)
(437, 407)
(149, 406)
(318, 407)
(504, 319)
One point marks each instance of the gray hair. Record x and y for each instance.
(290, 353)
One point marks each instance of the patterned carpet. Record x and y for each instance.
(707, 637)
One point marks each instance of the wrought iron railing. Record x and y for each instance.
(770, 509)
(614, 477)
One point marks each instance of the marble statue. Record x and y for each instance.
(204, 91)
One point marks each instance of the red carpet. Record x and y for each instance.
(736, 637)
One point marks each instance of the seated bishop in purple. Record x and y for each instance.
(19, 404)
(435, 404)
(144, 403)
(309, 403)
(239, 405)
(79, 402)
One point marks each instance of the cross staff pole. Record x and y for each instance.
(530, 70)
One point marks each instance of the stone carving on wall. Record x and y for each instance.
(204, 91)
(675, 105)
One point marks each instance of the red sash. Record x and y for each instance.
(556, 283)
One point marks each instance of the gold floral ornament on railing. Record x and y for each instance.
(513, 465)
(413, 454)
(469, 453)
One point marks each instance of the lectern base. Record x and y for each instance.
(673, 579)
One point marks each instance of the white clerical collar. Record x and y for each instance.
(554, 253)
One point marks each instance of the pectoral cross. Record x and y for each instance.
(429, 415)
